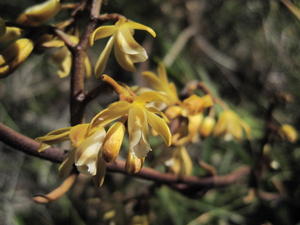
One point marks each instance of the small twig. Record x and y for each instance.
(110, 16)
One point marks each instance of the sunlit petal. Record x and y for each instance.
(103, 58)
(102, 32)
(111, 113)
(138, 26)
(78, 134)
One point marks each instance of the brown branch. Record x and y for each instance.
(77, 95)
(30, 146)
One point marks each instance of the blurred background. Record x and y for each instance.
(247, 52)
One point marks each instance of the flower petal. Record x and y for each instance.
(113, 112)
(86, 154)
(55, 136)
(151, 96)
(127, 44)
(123, 59)
(78, 134)
(102, 32)
(160, 126)
(67, 165)
(100, 174)
(138, 26)
(103, 58)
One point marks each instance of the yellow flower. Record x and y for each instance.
(288, 132)
(230, 125)
(139, 116)
(127, 50)
(160, 83)
(87, 151)
(40, 13)
(14, 55)
(62, 57)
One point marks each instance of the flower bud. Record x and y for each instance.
(133, 163)
(113, 141)
(40, 13)
(207, 126)
(288, 132)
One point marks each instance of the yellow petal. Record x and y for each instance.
(11, 33)
(160, 126)
(67, 165)
(14, 55)
(157, 111)
(153, 80)
(101, 170)
(63, 59)
(55, 136)
(123, 59)
(87, 66)
(113, 112)
(151, 96)
(55, 43)
(138, 130)
(78, 133)
(102, 32)
(173, 111)
(186, 162)
(128, 45)
(196, 104)
(193, 126)
(162, 73)
(87, 152)
(288, 133)
(138, 26)
(40, 13)
(113, 141)
(102, 60)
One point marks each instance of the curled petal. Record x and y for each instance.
(113, 141)
(138, 26)
(38, 14)
(67, 165)
(160, 126)
(87, 66)
(113, 112)
(103, 58)
(102, 32)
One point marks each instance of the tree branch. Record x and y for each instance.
(30, 146)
